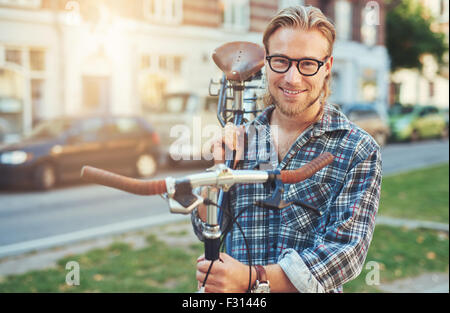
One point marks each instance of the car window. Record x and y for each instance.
(175, 104)
(90, 129)
(125, 126)
(50, 129)
(192, 104)
(362, 114)
(399, 110)
(424, 112)
(433, 110)
(211, 104)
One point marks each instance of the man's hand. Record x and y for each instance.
(231, 139)
(226, 275)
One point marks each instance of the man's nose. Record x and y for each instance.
(293, 76)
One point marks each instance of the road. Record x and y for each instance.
(401, 157)
(36, 220)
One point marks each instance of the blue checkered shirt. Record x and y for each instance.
(317, 253)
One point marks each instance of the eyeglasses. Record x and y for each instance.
(306, 66)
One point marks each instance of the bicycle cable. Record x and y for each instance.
(222, 241)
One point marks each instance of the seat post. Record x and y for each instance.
(238, 95)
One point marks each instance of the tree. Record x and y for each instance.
(409, 35)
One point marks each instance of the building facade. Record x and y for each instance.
(64, 58)
(431, 85)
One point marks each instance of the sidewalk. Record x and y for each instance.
(410, 224)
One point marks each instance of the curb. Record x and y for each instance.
(411, 224)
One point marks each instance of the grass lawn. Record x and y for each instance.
(118, 268)
(421, 194)
(402, 253)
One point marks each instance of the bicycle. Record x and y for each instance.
(241, 62)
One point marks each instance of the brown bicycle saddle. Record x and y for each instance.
(239, 60)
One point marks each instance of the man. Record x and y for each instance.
(301, 250)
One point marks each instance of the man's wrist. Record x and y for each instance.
(261, 284)
(253, 278)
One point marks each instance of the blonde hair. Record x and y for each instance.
(306, 18)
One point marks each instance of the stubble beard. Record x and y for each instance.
(298, 108)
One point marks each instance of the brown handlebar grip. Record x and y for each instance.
(136, 186)
(307, 170)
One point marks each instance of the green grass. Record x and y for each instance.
(403, 253)
(118, 268)
(421, 194)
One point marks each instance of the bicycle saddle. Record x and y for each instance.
(239, 60)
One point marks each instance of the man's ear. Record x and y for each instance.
(329, 64)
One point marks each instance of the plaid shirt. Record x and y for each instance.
(317, 253)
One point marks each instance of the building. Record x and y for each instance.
(61, 57)
(431, 85)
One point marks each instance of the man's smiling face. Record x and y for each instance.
(294, 93)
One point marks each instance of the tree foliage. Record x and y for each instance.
(409, 35)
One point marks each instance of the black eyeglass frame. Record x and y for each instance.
(320, 63)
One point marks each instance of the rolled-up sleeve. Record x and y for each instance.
(340, 250)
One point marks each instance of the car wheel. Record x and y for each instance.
(146, 165)
(45, 177)
(415, 135)
(444, 133)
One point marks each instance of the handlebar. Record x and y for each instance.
(219, 175)
(128, 184)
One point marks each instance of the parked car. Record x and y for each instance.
(187, 122)
(417, 122)
(56, 150)
(179, 120)
(368, 118)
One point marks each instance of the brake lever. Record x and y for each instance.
(182, 200)
(274, 201)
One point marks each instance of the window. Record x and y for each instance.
(164, 11)
(125, 126)
(177, 63)
(37, 60)
(37, 98)
(289, 3)
(444, 11)
(90, 129)
(145, 61)
(13, 56)
(343, 19)
(172, 64)
(33, 4)
(370, 21)
(235, 14)
(162, 62)
(431, 89)
(23, 71)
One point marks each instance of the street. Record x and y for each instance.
(36, 220)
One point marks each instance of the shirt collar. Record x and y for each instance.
(332, 120)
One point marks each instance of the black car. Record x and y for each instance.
(56, 150)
